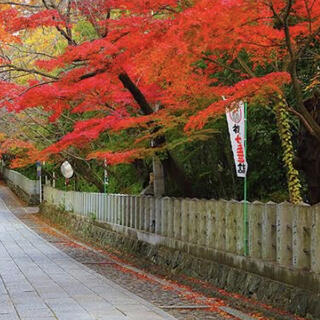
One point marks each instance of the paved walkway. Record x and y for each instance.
(40, 282)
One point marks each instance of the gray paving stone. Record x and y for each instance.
(44, 283)
(9, 317)
(38, 318)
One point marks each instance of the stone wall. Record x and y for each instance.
(284, 240)
(296, 300)
(27, 190)
(204, 237)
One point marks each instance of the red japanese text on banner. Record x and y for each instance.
(235, 118)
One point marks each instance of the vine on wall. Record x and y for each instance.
(294, 185)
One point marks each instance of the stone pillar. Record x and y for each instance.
(315, 239)
(255, 210)
(221, 224)
(119, 208)
(158, 175)
(132, 211)
(239, 207)
(231, 227)
(76, 203)
(164, 216)
(269, 239)
(152, 223)
(202, 222)
(112, 209)
(86, 203)
(96, 209)
(193, 220)
(101, 209)
(158, 214)
(185, 204)
(142, 203)
(177, 219)
(170, 218)
(115, 207)
(126, 210)
(301, 237)
(106, 199)
(136, 212)
(211, 223)
(111, 206)
(284, 234)
(147, 214)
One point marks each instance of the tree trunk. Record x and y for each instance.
(309, 153)
(169, 165)
(177, 175)
(158, 177)
(83, 170)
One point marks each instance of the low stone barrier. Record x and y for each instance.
(284, 240)
(28, 190)
(278, 294)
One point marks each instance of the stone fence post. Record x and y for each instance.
(284, 234)
(315, 239)
(185, 206)
(177, 219)
(211, 224)
(269, 239)
(255, 211)
(221, 224)
(231, 227)
(301, 237)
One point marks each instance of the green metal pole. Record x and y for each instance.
(245, 206)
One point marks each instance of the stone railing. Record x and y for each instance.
(28, 189)
(283, 239)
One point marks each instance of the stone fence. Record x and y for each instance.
(27, 189)
(283, 239)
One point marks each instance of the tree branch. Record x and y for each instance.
(136, 93)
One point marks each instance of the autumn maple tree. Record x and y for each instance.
(151, 68)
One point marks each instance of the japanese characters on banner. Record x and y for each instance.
(235, 118)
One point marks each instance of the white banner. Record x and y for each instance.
(236, 120)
